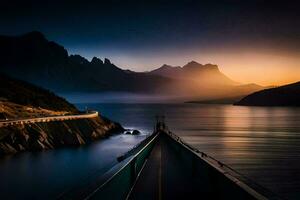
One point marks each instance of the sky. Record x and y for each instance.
(251, 41)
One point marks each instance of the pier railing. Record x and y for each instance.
(213, 177)
(118, 181)
(246, 184)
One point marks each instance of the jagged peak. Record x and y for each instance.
(192, 64)
(78, 58)
(96, 60)
(196, 65)
(107, 61)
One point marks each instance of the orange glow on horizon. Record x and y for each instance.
(266, 68)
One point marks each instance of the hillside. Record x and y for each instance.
(21, 92)
(287, 95)
(19, 99)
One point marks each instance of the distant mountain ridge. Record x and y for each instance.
(207, 74)
(287, 95)
(31, 57)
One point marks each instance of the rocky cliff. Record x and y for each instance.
(19, 99)
(50, 135)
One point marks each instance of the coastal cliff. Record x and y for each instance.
(51, 135)
(19, 100)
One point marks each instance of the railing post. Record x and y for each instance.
(133, 170)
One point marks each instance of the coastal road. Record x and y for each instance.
(12, 122)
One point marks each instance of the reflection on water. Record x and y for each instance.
(262, 143)
(46, 175)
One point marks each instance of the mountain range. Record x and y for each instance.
(208, 74)
(31, 57)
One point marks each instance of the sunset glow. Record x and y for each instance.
(265, 68)
(159, 99)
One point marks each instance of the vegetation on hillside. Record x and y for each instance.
(23, 93)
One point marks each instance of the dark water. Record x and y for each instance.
(261, 143)
(46, 175)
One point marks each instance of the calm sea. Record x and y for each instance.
(261, 143)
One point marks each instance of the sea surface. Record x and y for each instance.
(261, 143)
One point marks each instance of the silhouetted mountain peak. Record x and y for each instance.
(165, 66)
(208, 74)
(192, 64)
(78, 59)
(34, 35)
(107, 61)
(96, 60)
(37, 40)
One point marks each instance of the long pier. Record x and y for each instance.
(12, 122)
(165, 167)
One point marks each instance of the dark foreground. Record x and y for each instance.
(164, 167)
(166, 176)
(261, 143)
(172, 172)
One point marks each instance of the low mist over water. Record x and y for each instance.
(120, 97)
